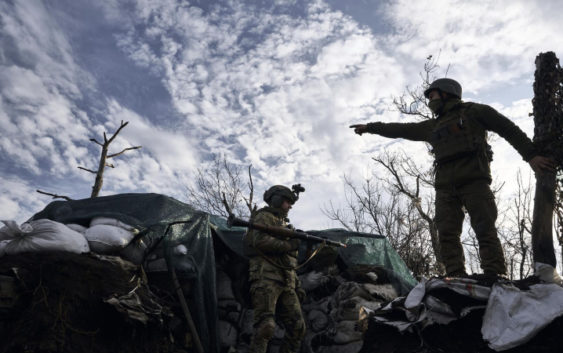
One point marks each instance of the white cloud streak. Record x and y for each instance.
(261, 85)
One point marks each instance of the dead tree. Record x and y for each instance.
(373, 207)
(220, 184)
(548, 139)
(104, 156)
(401, 169)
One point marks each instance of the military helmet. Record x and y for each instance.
(446, 85)
(275, 195)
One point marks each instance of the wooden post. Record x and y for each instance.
(548, 139)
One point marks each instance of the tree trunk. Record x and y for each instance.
(100, 174)
(542, 225)
(547, 139)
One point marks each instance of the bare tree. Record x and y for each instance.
(412, 101)
(378, 207)
(401, 169)
(515, 230)
(104, 156)
(223, 180)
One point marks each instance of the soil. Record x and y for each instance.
(60, 307)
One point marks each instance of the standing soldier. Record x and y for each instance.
(458, 137)
(274, 285)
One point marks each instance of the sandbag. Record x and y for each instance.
(347, 331)
(227, 334)
(2, 246)
(312, 280)
(134, 252)
(223, 286)
(318, 321)
(547, 273)
(350, 309)
(111, 222)
(384, 291)
(12, 230)
(107, 239)
(77, 227)
(42, 235)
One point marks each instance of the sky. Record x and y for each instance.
(273, 84)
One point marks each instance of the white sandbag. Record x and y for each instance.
(348, 290)
(547, 273)
(227, 334)
(312, 280)
(111, 222)
(2, 246)
(318, 321)
(348, 331)
(107, 239)
(384, 291)
(77, 227)
(134, 252)
(43, 235)
(351, 308)
(12, 230)
(223, 286)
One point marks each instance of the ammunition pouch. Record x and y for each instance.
(457, 136)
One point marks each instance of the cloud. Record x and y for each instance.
(271, 84)
(18, 199)
(484, 42)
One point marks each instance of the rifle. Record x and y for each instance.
(280, 231)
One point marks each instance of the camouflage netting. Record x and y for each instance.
(548, 106)
(343, 286)
(548, 139)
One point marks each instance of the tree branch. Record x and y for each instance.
(124, 150)
(96, 141)
(55, 196)
(88, 170)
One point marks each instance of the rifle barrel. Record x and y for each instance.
(281, 232)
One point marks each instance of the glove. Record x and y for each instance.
(294, 243)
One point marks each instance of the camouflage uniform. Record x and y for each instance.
(463, 175)
(273, 284)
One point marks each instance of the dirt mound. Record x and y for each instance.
(62, 302)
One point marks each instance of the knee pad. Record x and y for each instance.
(265, 329)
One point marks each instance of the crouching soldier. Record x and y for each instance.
(274, 285)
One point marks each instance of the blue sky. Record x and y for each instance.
(274, 84)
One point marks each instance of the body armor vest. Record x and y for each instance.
(457, 135)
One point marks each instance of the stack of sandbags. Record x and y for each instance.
(39, 236)
(110, 236)
(335, 311)
(339, 304)
(230, 311)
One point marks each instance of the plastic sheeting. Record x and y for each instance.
(169, 225)
(162, 221)
(362, 249)
(514, 316)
